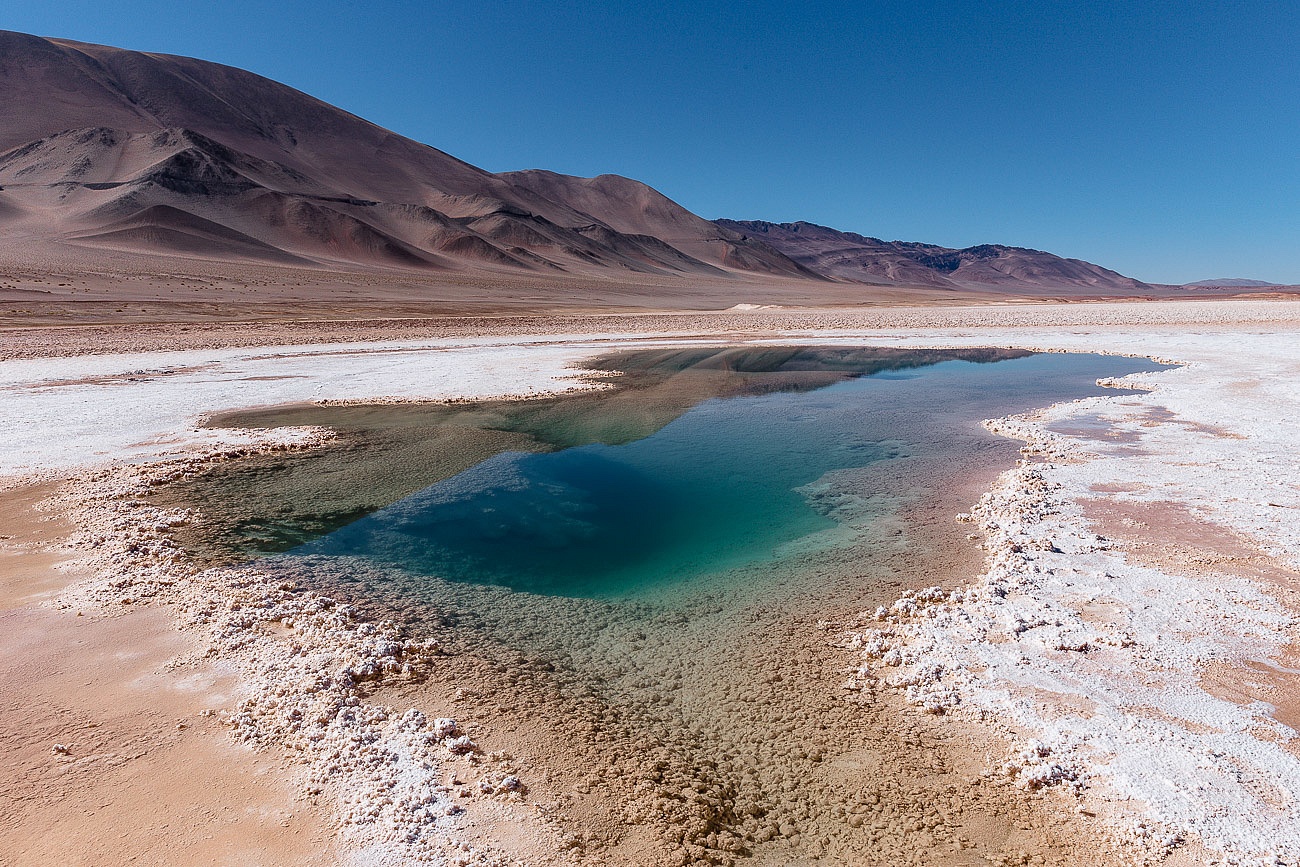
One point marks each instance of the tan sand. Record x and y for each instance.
(39, 330)
(112, 754)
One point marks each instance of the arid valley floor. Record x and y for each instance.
(1099, 668)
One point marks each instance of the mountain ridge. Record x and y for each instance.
(90, 132)
(861, 258)
(106, 149)
(1241, 282)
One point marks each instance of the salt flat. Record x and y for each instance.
(1131, 669)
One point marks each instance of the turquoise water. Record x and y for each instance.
(732, 482)
(638, 592)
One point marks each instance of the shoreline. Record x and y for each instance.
(114, 753)
(1127, 636)
(308, 664)
(318, 629)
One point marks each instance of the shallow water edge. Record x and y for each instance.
(712, 682)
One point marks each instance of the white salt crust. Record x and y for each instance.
(1094, 659)
(302, 659)
(59, 414)
(1099, 659)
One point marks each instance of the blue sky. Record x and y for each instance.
(1161, 139)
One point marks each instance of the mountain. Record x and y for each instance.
(1233, 282)
(106, 148)
(861, 259)
(139, 159)
(632, 207)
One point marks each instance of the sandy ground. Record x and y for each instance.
(1130, 680)
(66, 285)
(74, 329)
(112, 755)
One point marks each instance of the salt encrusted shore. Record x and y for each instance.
(1099, 661)
(150, 405)
(302, 657)
(1093, 660)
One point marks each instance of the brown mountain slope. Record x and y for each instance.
(92, 135)
(113, 154)
(634, 208)
(861, 259)
(164, 228)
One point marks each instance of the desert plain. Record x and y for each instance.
(1102, 667)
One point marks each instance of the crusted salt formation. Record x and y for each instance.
(306, 663)
(1098, 660)
(169, 391)
(1054, 692)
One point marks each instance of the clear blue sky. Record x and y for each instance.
(1161, 139)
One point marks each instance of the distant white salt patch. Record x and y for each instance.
(60, 414)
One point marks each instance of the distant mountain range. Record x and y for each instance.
(1234, 282)
(857, 258)
(104, 148)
